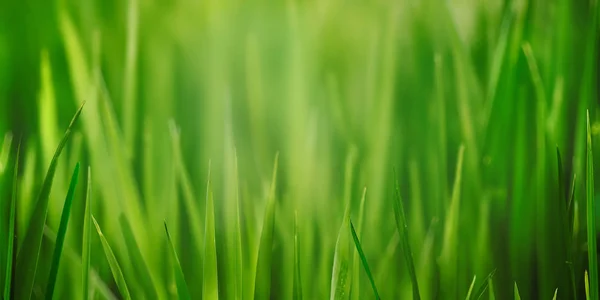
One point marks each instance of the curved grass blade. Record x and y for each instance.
(355, 290)
(62, 232)
(516, 292)
(591, 215)
(87, 234)
(141, 268)
(402, 226)
(28, 256)
(113, 263)
(11, 231)
(210, 284)
(471, 288)
(555, 294)
(262, 282)
(297, 278)
(182, 289)
(363, 258)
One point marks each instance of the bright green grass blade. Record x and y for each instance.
(262, 283)
(210, 284)
(297, 278)
(448, 256)
(471, 288)
(62, 232)
(11, 230)
(87, 238)
(113, 263)
(27, 258)
(556, 294)
(492, 294)
(485, 285)
(516, 292)
(591, 215)
(182, 289)
(401, 225)
(141, 268)
(355, 291)
(363, 259)
(5, 151)
(239, 263)
(587, 285)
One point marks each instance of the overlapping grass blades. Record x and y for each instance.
(141, 268)
(262, 281)
(29, 252)
(182, 288)
(115, 268)
(62, 232)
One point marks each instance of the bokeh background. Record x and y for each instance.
(334, 86)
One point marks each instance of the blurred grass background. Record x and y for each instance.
(344, 90)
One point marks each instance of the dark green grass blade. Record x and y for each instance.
(297, 278)
(363, 259)
(182, 289)
(86, 243)
(29, 252)
(62, 233)
(566, 220)
(402, 226)
(11, 230)
(112, 263)
(591, 215)
(141, 268)
(210, 284)
(262, 283)
(485, 285)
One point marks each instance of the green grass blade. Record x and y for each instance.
(591, 215)
(492, 294)
(297, 278)
(141, 267)
(516, 292)
(363, 259)
(485, 285)
(555, 294)
(87, 238)
(402, 225)
(210, 284)
(470, 292)
(587, 285)
(113, 263)
(11, 230)
(355, 291)
(262, 283)
(239, 263)
(62, 232)
(182, 289)
(5, 151)
(28, 256)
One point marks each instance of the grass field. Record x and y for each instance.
(299, 149)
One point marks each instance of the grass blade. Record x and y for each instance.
(555, 294)
(516, 292)
(141, 268)
(5, 151)
(87, 238)
(11, 231)
(591, 215)
(210, 284)
(471, 287)
(297, 278)
(587, 285)
(484, 286)
(62, 232)
(402, 226)
(363, 258)
(113, 263)
(262, 283)
(182, 289)
(355, 291)
(239, 264)
(29, 253)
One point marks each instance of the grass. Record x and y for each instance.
(296, 108)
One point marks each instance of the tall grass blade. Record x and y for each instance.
(182, 288)
(297, 278)
(402, 226)
(28, 256)
(141, 267)
(591, 215)
(10, 242)
(62, 232)
(210, 284)
(112, 263)
(87, 238)
(355, 291)
(239, 266)
(363, 259)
